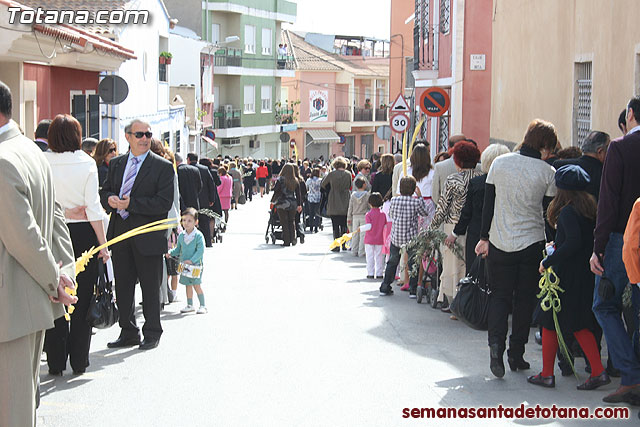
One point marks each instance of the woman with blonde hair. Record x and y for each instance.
(338, 184)
(364, 171)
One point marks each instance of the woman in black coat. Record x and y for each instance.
(287, 199)
(573, 213)
(470, 220)
(383, 177)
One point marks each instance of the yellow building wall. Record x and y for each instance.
(535, 47)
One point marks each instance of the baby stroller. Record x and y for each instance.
(432, 268)
(274, 228)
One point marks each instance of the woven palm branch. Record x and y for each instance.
(428, 243)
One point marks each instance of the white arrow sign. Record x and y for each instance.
(400, 105)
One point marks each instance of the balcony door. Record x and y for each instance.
(366, 146)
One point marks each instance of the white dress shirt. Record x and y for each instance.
(75, 179)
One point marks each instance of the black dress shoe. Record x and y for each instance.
(124, 342)
(593, 383)
(518, 363)
(496, 365)
(55, 373)
(549, 382)
(149, 343)
(79, 371)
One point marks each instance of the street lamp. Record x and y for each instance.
(401, 60)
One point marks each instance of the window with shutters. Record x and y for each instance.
(582, 102)
(266, 41)
(249, 99)
(265, 92)
(249, 39)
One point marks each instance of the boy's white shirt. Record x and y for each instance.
(188, 237)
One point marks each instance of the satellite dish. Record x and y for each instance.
(284, 137)
(113, 90)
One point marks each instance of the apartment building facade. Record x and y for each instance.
(451, 41)
(244, 38)
(338, 100)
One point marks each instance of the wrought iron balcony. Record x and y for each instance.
(225, 118)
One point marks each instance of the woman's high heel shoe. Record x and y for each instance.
(518, 364)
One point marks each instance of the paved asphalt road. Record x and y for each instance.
(296, 337)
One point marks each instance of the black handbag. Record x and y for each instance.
(324, 201)
(103, 311)
(471, 303)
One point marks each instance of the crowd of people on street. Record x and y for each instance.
(525, 210)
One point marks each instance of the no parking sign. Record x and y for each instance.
(434, 102)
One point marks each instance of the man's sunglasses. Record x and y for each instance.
(141, 134)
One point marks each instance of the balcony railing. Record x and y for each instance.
(381, 115)
(224, 118)
(362, 114)
(342, 114)
(284, 62)
(284, 116)
(228, 57)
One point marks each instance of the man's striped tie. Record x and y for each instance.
(128, 184)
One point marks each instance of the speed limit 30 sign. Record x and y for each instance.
(399, 123)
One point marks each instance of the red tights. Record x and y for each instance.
(587, 342)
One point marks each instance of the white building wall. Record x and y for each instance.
(148, 98)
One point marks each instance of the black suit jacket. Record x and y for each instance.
(470, 221)
(190, 184)
(207, 195)
(151, 199)
(41, 145)
(592, 166)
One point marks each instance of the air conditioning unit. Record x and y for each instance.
(254, 143)
(230, 142)
(228, 109)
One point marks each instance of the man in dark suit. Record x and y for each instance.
(189, 184)
(594, 149)
(41, 134)
(138, 190)
(208, 194)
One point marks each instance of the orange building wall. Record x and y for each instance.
(476, 97)
(400, 11)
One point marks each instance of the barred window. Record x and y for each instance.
(425, 20)
(582, 102)
(445, 16)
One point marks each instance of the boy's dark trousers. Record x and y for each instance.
(390, 271)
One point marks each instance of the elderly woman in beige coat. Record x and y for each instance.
(338, 183)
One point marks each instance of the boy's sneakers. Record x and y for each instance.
(188, 309)
(202, 310)
(412, 295)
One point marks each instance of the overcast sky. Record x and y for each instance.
(369, 18)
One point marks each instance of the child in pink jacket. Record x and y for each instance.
(374, 237)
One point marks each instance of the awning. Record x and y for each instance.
(323, 135)
(210, 141)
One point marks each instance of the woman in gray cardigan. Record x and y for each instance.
(338, 183)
